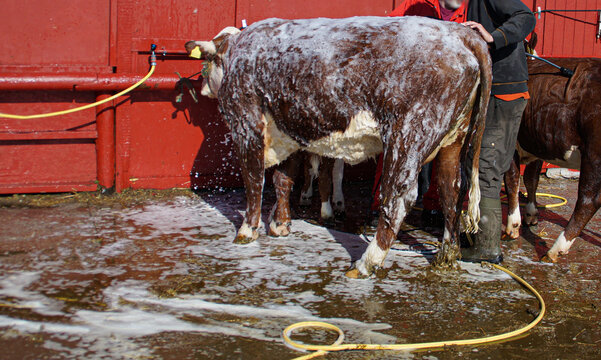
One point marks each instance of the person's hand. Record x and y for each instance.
(481, 30)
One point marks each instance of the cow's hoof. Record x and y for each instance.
(243, 240)
(304, 201)
(246, 235)
(531, 220)
(354, 273)
(339, 207)
(548, 259)
(510, 236)
(447, 256)
(279, 229)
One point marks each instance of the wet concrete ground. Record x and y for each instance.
(154, 275)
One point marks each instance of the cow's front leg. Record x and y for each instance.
(283, 180)
(589, 201)
(398, 192)
(531, 177)
(250, 153)
(512, 188)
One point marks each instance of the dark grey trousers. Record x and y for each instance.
(498, 143)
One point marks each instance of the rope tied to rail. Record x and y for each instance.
(320, 350)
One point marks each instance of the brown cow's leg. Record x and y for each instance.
(531, 177)
(512, 187)
(311, 170)
(449, 175)
(283, 180)
(398, 192)
(337, 176)
(252, 165)
(325, 187)
(589, 201)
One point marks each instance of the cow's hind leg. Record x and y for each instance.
(531, 178)
(589, 201)
(325, 187)
(451, 199)
(337, 176)
(283, 180)
(512, 188)
(398, 193)
(311, 170)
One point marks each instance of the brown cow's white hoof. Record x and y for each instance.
(548, 259)
(279, 229)
(326, 211)
(560, 247)
(354, 273)
(359, 271)
(531, 216)
(372, 258)
(512, 232)
(246, 235)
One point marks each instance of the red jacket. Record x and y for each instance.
(428, 8)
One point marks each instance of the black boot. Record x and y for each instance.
(487, 241)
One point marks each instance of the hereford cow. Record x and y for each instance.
(561, 125)
(415, 88)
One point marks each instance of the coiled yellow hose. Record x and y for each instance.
(338, 346)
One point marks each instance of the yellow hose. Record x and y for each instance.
(338, 346)
(36, 116)
(549, 206)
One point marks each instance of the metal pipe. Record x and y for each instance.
(105, 143)
(85, 82)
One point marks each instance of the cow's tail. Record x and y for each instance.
(479, 120)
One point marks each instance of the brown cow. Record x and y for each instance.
(561, 125)
(415, 88)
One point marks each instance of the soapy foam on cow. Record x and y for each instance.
(323, 84)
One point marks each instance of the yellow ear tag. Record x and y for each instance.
(196, 53)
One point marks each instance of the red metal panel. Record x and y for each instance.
(161, 142)
(53, 154)
(65, 32)
(253, 11)
(54, 165)
(569, 34)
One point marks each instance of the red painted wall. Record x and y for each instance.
(153, 141)
(564, 34)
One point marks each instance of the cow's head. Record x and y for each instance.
(212, 52)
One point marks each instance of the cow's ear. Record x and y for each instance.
(206, 47)
(224, 35)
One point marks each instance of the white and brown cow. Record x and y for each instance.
(414, 88)
(561, 125)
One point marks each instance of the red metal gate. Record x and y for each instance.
(56, 54)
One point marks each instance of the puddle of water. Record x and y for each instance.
(162, 279)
